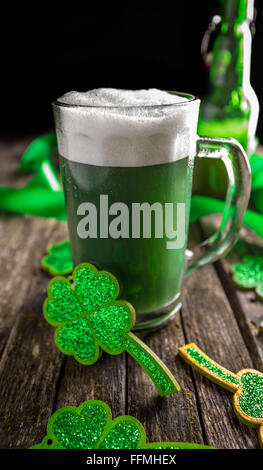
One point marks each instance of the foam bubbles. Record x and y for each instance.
(110, 127)
(113, 97)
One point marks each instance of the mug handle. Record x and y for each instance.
(239, 183)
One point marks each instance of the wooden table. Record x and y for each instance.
(36, 379)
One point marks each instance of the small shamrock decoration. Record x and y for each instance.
(247, 385)
(90, 426)
(89, 318)
(249, 274)
(59, 259)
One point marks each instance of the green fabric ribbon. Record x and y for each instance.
(43, 195)
(202, 206)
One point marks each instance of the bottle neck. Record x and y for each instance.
(238, 10)
(232, 50)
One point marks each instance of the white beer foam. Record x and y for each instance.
(112, 97)
(109, 127)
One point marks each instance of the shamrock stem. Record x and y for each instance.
(153, 366)
(209, 368)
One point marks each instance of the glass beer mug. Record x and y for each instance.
(127, 176)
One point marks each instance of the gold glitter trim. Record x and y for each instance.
(261, 436)
(204, 371)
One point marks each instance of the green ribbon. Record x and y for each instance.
(202, 206)
(43, 195)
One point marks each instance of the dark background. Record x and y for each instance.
(47, 51)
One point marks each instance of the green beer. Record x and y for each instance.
(151, 274)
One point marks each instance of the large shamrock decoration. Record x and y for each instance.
(59, 259)
(247, 385)
(90, 426)
(249, 274)
(89, 318)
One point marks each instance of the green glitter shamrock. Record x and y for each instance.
(89, 318)
(249, 274)
(59, 259)
(90, 426)
(247, 385)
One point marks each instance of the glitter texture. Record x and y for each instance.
(210, 365)
(77, 337)
(124, 435)
(89, 318)
(247, 386)
(150, 365)
(82, 431)
(251, 398)
(249, 274)
(95, 289)
(108, 324)
(63, 305)
(90, 426)
(59, 259)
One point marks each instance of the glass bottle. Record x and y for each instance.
(231, 107)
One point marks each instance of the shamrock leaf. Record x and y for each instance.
(89, 318)
(90, 426)
(249, 274)
(250, 395)
(59, 259)
(76, 338)
(62, 303)
(94, 288)
(109, 324)
(124, 432)
(76, 428)
(74, 306)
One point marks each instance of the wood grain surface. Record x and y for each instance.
(36, 379)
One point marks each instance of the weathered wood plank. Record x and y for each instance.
(104, 380)
(29, 370)
(208, 321)
(30, 364)
(245, 305)
(24, 242)
(172, 418)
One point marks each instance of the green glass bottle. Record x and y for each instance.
(230, 108)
